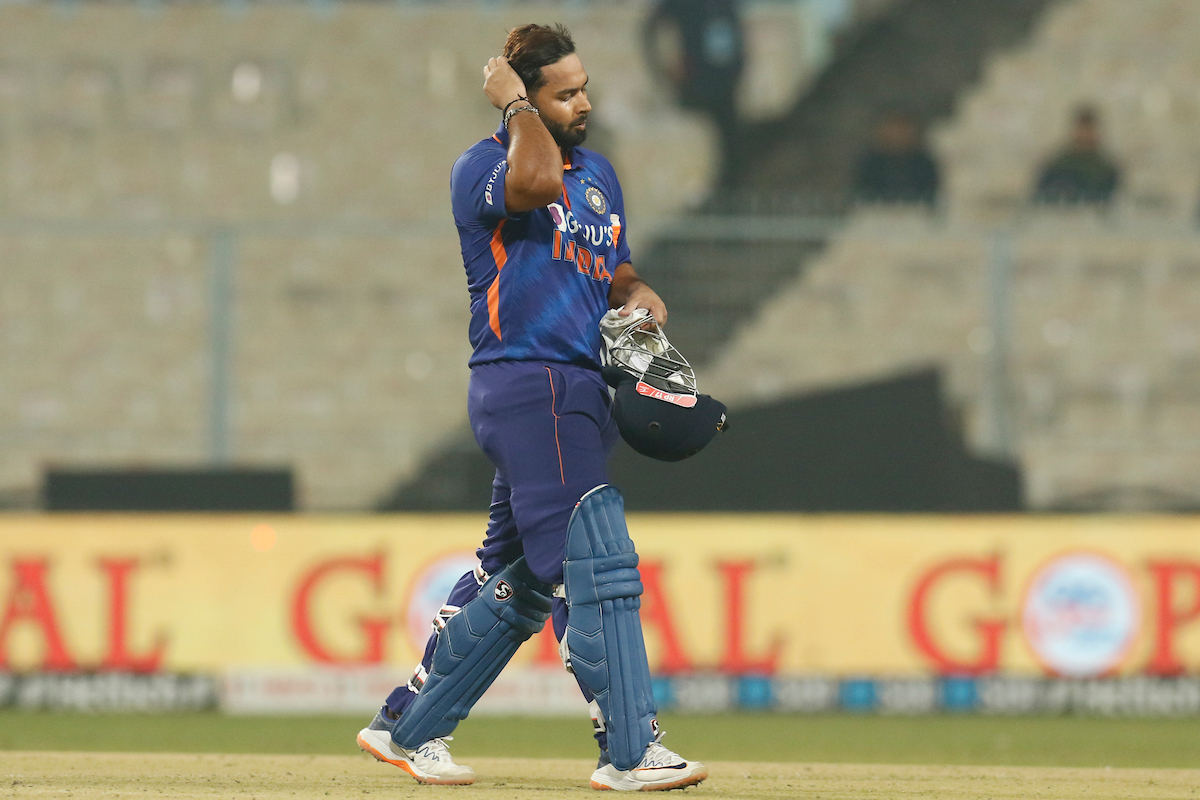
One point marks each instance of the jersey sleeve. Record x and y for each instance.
(477, 186)
(620, 227)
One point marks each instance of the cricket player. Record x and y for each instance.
(544, 241)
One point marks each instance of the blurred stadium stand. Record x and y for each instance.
(888, 445)
(225, 232)
(225, 235)
(1067, 337)
(915, 57)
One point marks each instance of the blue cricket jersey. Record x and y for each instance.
(539, 281)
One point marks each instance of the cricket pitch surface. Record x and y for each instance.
(265, 777)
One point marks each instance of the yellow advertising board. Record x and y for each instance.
(761, 594)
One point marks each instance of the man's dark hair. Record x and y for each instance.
(531, 47)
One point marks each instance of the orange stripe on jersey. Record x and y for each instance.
(493, 293)
(497, 138)
(616, 230)
(566, 198)
(554, 400)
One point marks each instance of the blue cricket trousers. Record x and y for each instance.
(548, 429)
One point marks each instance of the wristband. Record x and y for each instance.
(508, 115)
(510, 102)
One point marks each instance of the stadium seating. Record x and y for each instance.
(149, 155)
(137, 143)
(1136, 62)
(1099, 359)
(1097, 386)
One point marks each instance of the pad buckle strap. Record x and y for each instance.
(560, 591)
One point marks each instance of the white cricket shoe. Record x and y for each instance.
(659, 769)
(429, 763)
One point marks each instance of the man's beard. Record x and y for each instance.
(565, 137)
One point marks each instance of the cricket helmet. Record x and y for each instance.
(657, 408)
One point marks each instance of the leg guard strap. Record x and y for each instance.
(472, 650)
(604, 632)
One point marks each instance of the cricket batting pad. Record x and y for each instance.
(604, 633)
(472, 649)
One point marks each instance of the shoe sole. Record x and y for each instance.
(682, 783)
(428, 780)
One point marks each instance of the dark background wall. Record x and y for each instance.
(891, 445)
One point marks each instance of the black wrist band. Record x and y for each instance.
(510, 102)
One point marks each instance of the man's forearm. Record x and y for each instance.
(535, 167)
(624, 282)
(629, 292)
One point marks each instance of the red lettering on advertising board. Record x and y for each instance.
(374, 630)
(736, 659)
(1168, 576)
(656, 613)
(29, 601)
(120, 657)
(990, 631)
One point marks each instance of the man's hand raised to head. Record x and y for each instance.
(535, 165)
(501, 83)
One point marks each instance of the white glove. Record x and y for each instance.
(635, 342)
(633, 358)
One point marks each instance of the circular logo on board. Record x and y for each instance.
(1081, 614)
(430, 588)
(595, 200)
(503, 591)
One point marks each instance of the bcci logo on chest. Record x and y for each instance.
(595, 200)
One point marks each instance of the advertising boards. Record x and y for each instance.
(339, 607)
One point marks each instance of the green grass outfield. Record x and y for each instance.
(951, 740)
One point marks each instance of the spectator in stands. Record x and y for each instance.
(898, 168)
(1082, 174)
(698, 45)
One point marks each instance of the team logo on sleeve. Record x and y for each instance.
(596, 201)
(487, 190)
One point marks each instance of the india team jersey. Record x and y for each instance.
(539, 280)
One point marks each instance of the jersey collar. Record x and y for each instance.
(501, 136)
